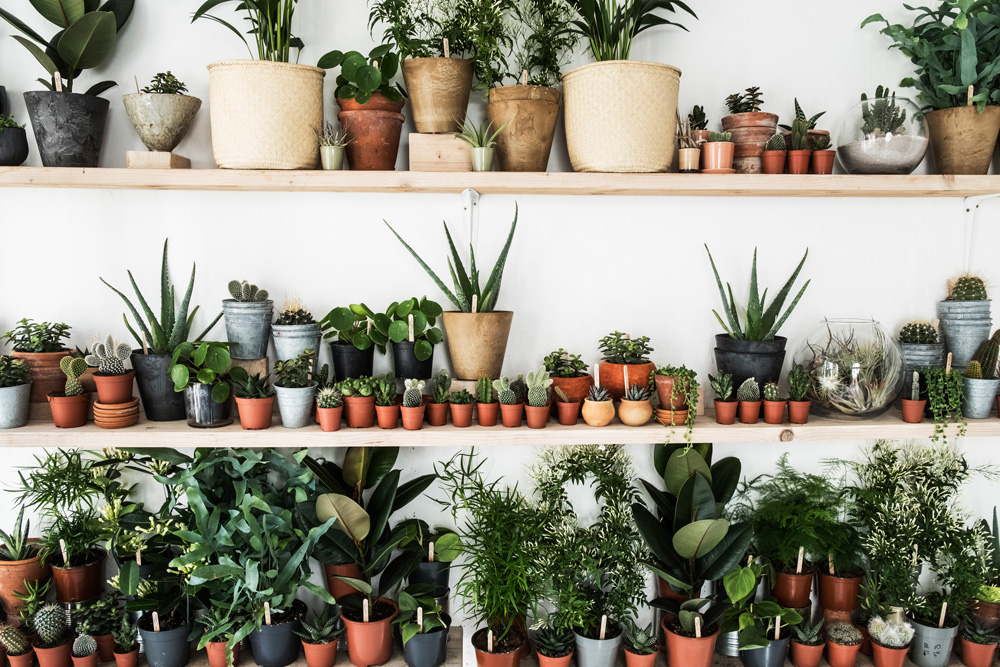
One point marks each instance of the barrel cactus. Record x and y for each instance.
(294, 313)
(50, 624)
(484, 390)
(329, 397)
(413, 393)
(109, 357)
(73, 368)
(84, 646)
(749, 391)
(844, 634)
(918, 332)
(244, 292)
(771, 391)
(538, 382)
(13, 641)
(505, 394)
(968, 288)
(775, 143)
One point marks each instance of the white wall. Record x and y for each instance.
(579, 267)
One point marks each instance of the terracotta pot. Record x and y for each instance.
(774, 412)
(88, 661)
(546, 661)
(773, 162)
(217, 655)
(105, 647)
(537, 417)
(568, 413)
(413, 418)
(636, 660)
(963, 139)
(977, 655)
(665, 387)
(913, 411)
(512, 414)
(255, 413)
(359, 411)
(484, 659)
(461, 414)
(749, 412)
(811, 137)
(60, 656)
(576, 388)
(717, 155)
(388, 416)
(370, 643)
(69, 411)
(486, 413)
(822, 161)
(477, 342)
(798, 411)
(321, 655)
(889, 657)
(528, 115)
(635, 413)
(725, 411)
(688, 160)
(130, 659)
(14, 574)
(701, 138)
(806, 656)
(689, 651)
(751, 131)
(329, 418)
(612, 376)
(792, 590)
(114, 389)
(23, 660)
(79, 583)
(987, 613)
(439, 91)
(672, 417)
(665, 591)
(838, 655)
(46, 377)
(798, 162)
(437, 414)
(373, 131)
(839, 593)
(336, 587)
(598, 413)
(866, 641)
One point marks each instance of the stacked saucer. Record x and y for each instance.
(120, 415)
(671, 417)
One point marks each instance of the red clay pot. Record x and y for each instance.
(612, 376)
(665, 591)
(822, 161)
(509, 659)
(798, 411)
(388, 416)
(725, 411)
(105, 647)
(437, 415)
(806, 656)
(88, 661)
(373, 130)
(114, 389)
(665, 386)
(792, 590)
(749, 412)
(717, 155)
(370, 643)
(838, 593)
(336, 587)
(23, 660)
(773, 162)
(689, 651)
(329, 418)
(913, 411)
(866, 641)
(359, 411)
(130, 659)
(13, 574)
(774, 412)
(79, 584)
(568, 413)
(321, 655)
(60, 656)
(486, 413)
(69, 411)
(798, 162)
(977, 655)
(839, 655)
(413, 418)
(889, 657)
(255, 413)
(461, 414)
(217, 656)
(537, 417)
(512, 415)
(546, 661)
(46, 376)
(636, 660)
(576, 389)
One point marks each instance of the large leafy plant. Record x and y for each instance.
(87, 35)
(755, 622)
(270, 24)
(610, 26)
(351, 325)
(204, 363)
(362, 77)
(543, 40)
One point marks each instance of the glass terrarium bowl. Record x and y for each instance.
(855, 368)
(882, 135)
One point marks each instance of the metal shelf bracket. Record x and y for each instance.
(972, 225)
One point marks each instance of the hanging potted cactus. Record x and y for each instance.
(538, 408)
(114, 383)
(248, 320)
(69, 407)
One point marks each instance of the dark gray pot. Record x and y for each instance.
(917, 356)
(759, 359)
(772, 655)
(13, 147)
(291, 340)
(978, 397)
(248, 325)
(597, 652)
(931, 646)
(350, 362)
(202, 411)
(296, 405)
(69, 128)
(4, 106)
(436, 574)
(169, 648)
(407, 365)
(429, 649)
(14, 406)
(728, 643)
(962, 338)
(276, 645)
(159, 400)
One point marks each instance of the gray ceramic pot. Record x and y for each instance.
(14, 406)
(169, 648)
(978, 397)
(248, 325)
(290, 340)
(296, 405)
(931, 646)
(13, 147)
(332, 157)
(728, 643)
(429, 649)
(597, 652)
(202, 411)
(917, 356)
(772, 655)
(161, 120)
(69, 128)
(962, 338)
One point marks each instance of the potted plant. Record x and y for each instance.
(15, 391)
(423, 626)
(625, 359)
(13, 140)
(332, 143)
(725, 405)
(538, 409)
(84, 651)
(218, 625)
(126, 634)
(511, 407)
(981, 383)
(677, 392)
(248, 320)
(433, 552)
(254, 398)
(413, 407)
(944, 399)
(884, 135)
(200, 372)
(822, 155)
(639, 138)
(640, 646)
(486, 404)
(69, 127)
(320, 638)
(750, 128)
(477, 333)
(965, 317)
(688, 150)
(353, 350)
(370, 106)
(635, 410)
(161, 113)
(98, 618)
(979, 644)
(774, 405)
(755, 348)
(934, 632)
(461, 403)
(569, 373)
(748, 395)
(21, 565)
(699, 124)
(329, 408)
(567, 411)
(437, 407)
(236, 88)
(386, 406)
(960, 104)
(114, 383)
(920, 347)
(799, 153)
(890, 641)
(70, 406)
(764, 626)
(773, 157)
(16, 646)
(843, 641)
(554, 647)
(914, 406)
(359, 401)
(410, 326)
(40, 345)
(812, 133)
(598, 408)
(807, 644)
(691, 632)
(798, 390)
(294, 331)
(481, 142)
(296, 389)
(717, 153)
(53, 647)
(159, 338)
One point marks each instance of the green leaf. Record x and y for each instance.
(331, 60)
(697, 539)
(218, 358)
(220, 392)
(353, 61)
(447, 547)
(181, 376)
(205, 376)
(128, 577)
(351, 518)
(681, 466)
(695, 502)
(368, 78)
(42, 58)
(63, 13)
(739, 583)
(422, 350)
(399, 331)
(88, 42)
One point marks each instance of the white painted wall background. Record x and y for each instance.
(579, 267)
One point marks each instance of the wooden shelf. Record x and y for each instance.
(179, 434)
(510, 183)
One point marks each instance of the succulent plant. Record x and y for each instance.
(84, 646)
(746, 102)
(462, 397)
(800, 134)
(844, 634)
(809, 635)
(562, 364)
(890, 635)
(538, 383)
(13, 372)
(598, 393)
(413, 393)
(720, 136)
(749, 391)
(441, 386)
(505, 394)
(968, 288)
(109, 357)
(775, 143)
(771, 391)
(798, 383)
(520, 388)
(986, 356)
(385, 389)
(918, 332)
(882, 116)
(697, 118)
(50, 624)
(801, 115)
(637, 392)
(554, 643)
(484, 390)
(73, 368)
(244, 292)
(13, 640)
(294, 313)
(323, 629)
(821, 143)
(329, 397)
(722, 385)
(640, 641)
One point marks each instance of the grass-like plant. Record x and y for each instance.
(478, 136)
(610, 26)
(270, 24)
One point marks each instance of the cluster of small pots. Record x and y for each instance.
(749, 412)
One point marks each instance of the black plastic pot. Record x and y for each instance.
(13, 147)
(69, 128)
(202, 410)
(428, 649)
(169, 648)
(350, 362)
(772, 655)
(759, 359)
(159, 400)
(276, 645)
(432, 573)
(408, 366)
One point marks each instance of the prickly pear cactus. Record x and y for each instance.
(13, 641)
(50, 623)
(484, 390)
(538, 383)
(244, 292)
(749, 391)
(73, 368)
(413, 393)
(505, 393)
(84, 646)
(109, 357)
(968, 288)
(771, 391)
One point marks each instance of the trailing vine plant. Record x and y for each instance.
(944, 399)
(691, 397)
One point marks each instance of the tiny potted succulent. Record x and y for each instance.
(329, 408)
(635, 410)
(254, 398)
(199, 370)
(843, 641)
(812, 133)
(677, 392)
(423, 626)
(69, 407)
(15, 390)
(359, 401)
(353, 350)
(320, 638)
(598, 408)
(807, 644)
(437, 408)
(161, 113)
(114, 383)
(773, 157)
(725, 404)
(16, 646)
(749, 397)
(569, 373)
(99, 618)
(126, 642)
(482, 142)
(798, 389)
(84, 651)
(822, 155)
(913, 407)
(624, 355)
(979, 644)
(487, 406)
(774, 405)
(248, 320)
(890, 641)
(688, 151)
(537, 409)
(40, 345)
(413, 404)
(798, 156)
(331, 147)
(717, 153)
(554, 647)
(294, 331)
(386, 405)
(567, 411)
(699, 124)
(462, 404)
(511, 405)
(640, 645)
(53, 647)
(295, 387)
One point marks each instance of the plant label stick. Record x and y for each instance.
(447, 54)
(430, 552)
(364, 610)
(489, 642)
(145, 348)
(420, 620)
(156, 622)
(697, 627)
(524, 77)
(944, 605)
(832, 571)
(62, 547)
(604, 626)
(802, 553)
(475, 304)
(749, 560)
(947, 366)
(968, 101)
(58, 82)
(409, 322)
(138, 558)
(914, 555)
(369, 329)
(777, 628)
(625, 376)
(267, 613)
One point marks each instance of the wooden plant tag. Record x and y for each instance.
(58, 81)
(524, 77)
(697, 627)
(145, 347)
(368, 330)
(777, 628)
(138, 558)
(832, 571)
(364, 610)
(430, 552)
(489, 642)
(802, 553)
(267, 613)
(947, 365)
(156, 622)
(604, 625)
(447, 54)
(749, 560)
(625, 375)
(65, 555)
(475, 304)
(420, 620)
(944, 605)
(968, 100)
(409, 322)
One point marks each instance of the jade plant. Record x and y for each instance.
(562, 364)
(749, 101)
(619, 348)
(13, 372)
(30, 336)
(165, 83)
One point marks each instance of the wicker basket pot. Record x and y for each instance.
(265, 115)
(621, 116)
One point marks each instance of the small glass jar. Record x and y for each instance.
(882, 135)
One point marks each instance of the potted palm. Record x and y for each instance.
(248, 320)
(200, 371)
(161, 113)
(320, 638)
(15, 392)
(296, 389)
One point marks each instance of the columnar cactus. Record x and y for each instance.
(538, 383)
(505, 394)
(109, 357)
(73, 368)
(986, 357)
(329, 397)
(919, 332)
(749, 391)
(84, 646)
(13, 641)
(968, 288)
(775, 143)
(974, 371)
(771, 391)
(484, 390)
(50, 623)
(244, 292)
(798, 383)
(413, 393)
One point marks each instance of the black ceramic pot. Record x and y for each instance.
(407, 365)
(69, 128)
(159, 400)
(13, 147)
(759, 359)
(428, 649)
(276, 645)
(202, 410)
(772, 655)
(350, 362)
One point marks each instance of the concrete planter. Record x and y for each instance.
(295, 405)
(248, 326)
(14, 406)
(962, 338)
(161, 120)
(978, 397)
(69, 128)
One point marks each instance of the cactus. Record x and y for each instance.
(844, 634)
(968, 288)
(520, 388)
(484, 390)
(986, 358)
(441, 386)
(538, 383)
(13, 641)
(920, 332)
(720, 136)
(244, 292)
(771, 391)
(329, 397)
(800, 133)
(775, 143)
(974, 371)
(599, 394)
(50, 624)
(413, 393)
(749, 391)
(821, 143)
(915, 387)
(73, 368)
(637, 392)
(294, 313)
(891, 635)
(882, 117)
(798, 383)
(505, 393)
(109, 357)
(722, 385)
(84, 646)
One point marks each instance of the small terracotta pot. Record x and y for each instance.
(79, 583)
(105, 647)
(114, 389)
(913, 411)
(88, 661)
(568, 413)
(866, 641)
(773, 162)
(509, 659)
(798, 411)
(370, 643)
(373, 130)
(461, 414)
(335, 586)
(612, 376)
(217, 656)
(792, 590)
(672, 417)
(512, 414)
(798, 162)
(822, 161)
(749, 412)
(689, 651)
(977, 655)
(537, 417)
(60, 656)
(486, 413)
(329, 418)
(688, 160)
(130, 659)
(839, 655)
(546, 661)
(576, 389)
(839, 593)
(388, 416)
(803, 655)
(255, 413)
(890, 657)
(413, 418)
(598, 413)
(665, 387)
(437, 415)
(636, 660)
(23, 660)
(359, 411)
(774, 412)
(321, 655)
(14, 574)
(725, 411)
(717, 155)
(635, 413)
(69, 411)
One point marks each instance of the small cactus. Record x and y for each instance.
(821, 143)
(720, 136)
(598, 393)
(413, 393)
(968, 288)
(890, 635)
(13, 641)
(538, 383)
(749, 391)
(244, 292)
(50, 624)
(294, 313)
(798, 383)
(844, 634)
(915, 387)
(462, 397)
(800, 133)
(771, 391)
(974, 371)
(84, 646)
(73, 368)
(109, 356)
(505, 394)
(919, 332)
(329, 397)
(520, 388)
(484, 390)
(637, 392)
(441, 386)
(775, 143)
(987, 356)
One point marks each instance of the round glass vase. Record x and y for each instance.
(855, 368)
(882, 135)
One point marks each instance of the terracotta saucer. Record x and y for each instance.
(718, 171)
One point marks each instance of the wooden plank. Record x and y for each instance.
(511, 183)
(156, 160)
(439, 153)
(719, 660)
